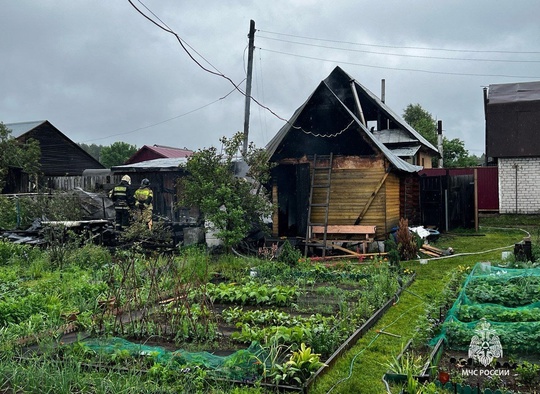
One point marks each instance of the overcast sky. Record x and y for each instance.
(100, 72)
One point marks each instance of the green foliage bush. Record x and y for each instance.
(18, 254)
(233, 204)
(21, 212)
(89, 256)
(289, 254)
(8, 213)
(528, 373)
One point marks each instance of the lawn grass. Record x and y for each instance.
(361, 369)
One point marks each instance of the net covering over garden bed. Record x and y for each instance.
(244, 364)
(508, 299)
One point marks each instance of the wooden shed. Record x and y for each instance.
(62, 160)
(332, 166)
(163, 175)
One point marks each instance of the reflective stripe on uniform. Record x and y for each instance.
(143, 194)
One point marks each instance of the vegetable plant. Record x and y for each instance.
(300, 366)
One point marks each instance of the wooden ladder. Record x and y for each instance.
(319, 182)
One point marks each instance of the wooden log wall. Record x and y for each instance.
(410, 198)
(352, 186)
(392, 202)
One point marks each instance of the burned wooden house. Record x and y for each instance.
(344, 158)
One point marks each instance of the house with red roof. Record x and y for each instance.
(158, 152)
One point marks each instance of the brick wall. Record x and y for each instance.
(526, 189)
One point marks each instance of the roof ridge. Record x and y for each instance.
(27, 122)
(169, 147)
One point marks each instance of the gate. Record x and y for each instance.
(447, 201)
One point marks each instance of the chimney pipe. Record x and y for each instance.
(440, 142)
(486, 158)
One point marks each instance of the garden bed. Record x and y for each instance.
(491, 333)
(488, 341)
(328, 323)
(169, 302)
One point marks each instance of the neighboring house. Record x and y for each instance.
(512, 124)
(375, 157)
(157, 152)
(164, 176)
(62, 160)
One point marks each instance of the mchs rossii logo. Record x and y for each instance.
(485, 345)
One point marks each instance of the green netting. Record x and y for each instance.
(241, 365)
(508, 299)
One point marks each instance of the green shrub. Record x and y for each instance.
(18, 254)
(528, 372)
(8, 213)
(289, 254)
(21, 211)
(89, 256)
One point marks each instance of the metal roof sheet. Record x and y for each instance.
(405, 151)
(20, 128)
(152, 165)
(168, 151)
(514, 92)
(393, 136)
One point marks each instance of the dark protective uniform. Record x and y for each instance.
(122, 197)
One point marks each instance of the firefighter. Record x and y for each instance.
(143, 203)
(122, 197)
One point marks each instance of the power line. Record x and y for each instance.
(405, 47)
(164, 121)
(165, 28)
(400, 69)
(400, 54)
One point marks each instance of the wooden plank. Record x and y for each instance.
(361, 216)
(432, 254)
(329, 243)
(433, 249)
(344, 229)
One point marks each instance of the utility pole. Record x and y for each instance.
(251, 47)
(440, 143)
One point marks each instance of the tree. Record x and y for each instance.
(93, 150)
(17, 154)
(422, 121)
(116, 154)
(233, 204)
(454, 152)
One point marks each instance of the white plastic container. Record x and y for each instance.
(505, 256)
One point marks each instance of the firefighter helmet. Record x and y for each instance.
(127, 178)
(145, 182)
